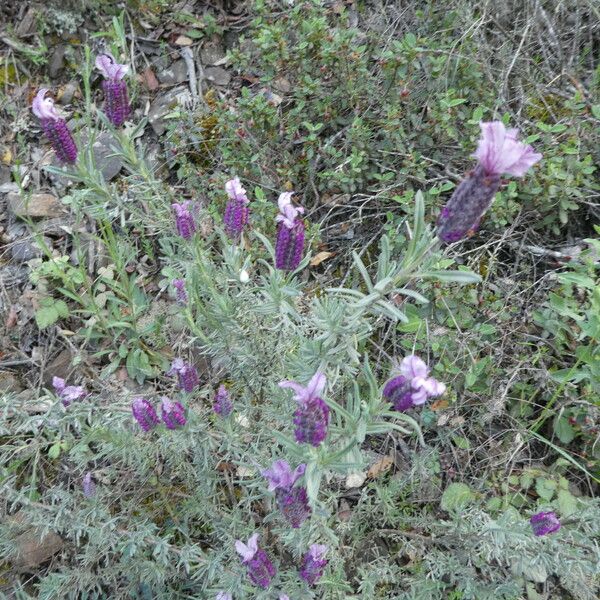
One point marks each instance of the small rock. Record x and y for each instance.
(104, 154)
(27, 249)
(9, 383)
(282, 84)
(36, 205)
(57, 61)
(66, 93)
(5, 176)
(58, 367)
(32, 548)
(163, 104)
(217, 75)
(212, 53)
(175, 74)
(183, 40)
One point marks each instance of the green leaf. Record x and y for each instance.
(545, 488)
(54, 451)
(563, 430)
(567, 503)
(461, 442)
(596, 110)
(456, 497)
(46, 316)
(453, 276)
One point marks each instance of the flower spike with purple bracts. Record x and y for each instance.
(184, 220)
(236, 211)
(68, 393)
(544, 523)
(180, 293)
(312, 416)
(290, 235)
(292, 501)
(172, 413)
(222, 404)
(144, 414)
(89, 485)
(498, 152)
(55, 127)
(259, 566)
(186, 375)
(413, 386)
(116, 98)
(314, 563)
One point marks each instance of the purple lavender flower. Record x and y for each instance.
(236, 211)
(292, 501)
(116, 99)
(186, 374)
(180, 293)
(172, 413)
(290, 235)
(314, 563)
(55, 127)
(413, 386)
(259, 566)
(544, 523)
(498, 152)
(222, 404)
(184, 220)
(312, 416)
(144, 414)
(88, 485)
(68, 393)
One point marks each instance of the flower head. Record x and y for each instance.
(499, 151)
(88, 485)
(235, 190)
(43, 108)
(68, 393)
(413, 386)
(288, 213)
(259, 566)
(180, 293)
(110, 68)
(186, 375)
(544, 523)
(314, 389)
(281, 476)
(184, 220)
(293, 504)
(314, 563)
(222, 404)
(172, 413)
(144, 414)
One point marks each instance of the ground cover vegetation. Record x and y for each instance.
(300, 300)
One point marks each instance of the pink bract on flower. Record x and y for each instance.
(43, 107)
(172, 413)
(280, 475)
(109, 67)
(288, 213)
(259, 566)
(68, 393)
(314, 563)
(223, 596)
(499, 151)
(544, 523)
(235, 191)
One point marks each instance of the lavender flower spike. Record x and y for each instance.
(312, 416)
(180, 293)
(55, 127)
(222, 404)
(68, 393)
(259, 566)
(144, 414)
(116, 99)
(236, 211)
(498, 152)
(172, 413)
(290, 235)
(544, 523)
(186, 375)
(314, 563)
(88, 485)
(184, 220)
(413, 386)
(292, 501)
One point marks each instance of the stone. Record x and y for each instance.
(60, 366)
(31, 548)
(66, 93)
(57, 61)
(27, 249)
(9, 383)
(175, 74)
(217, 75)
(164, 103)
(212, 53)
(36, 205)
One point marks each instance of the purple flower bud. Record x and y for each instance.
(290, 234)
(88, 485)
(544, 523)
(68, 393)
(293, 504)
(172, 413)
(498, 152)
(180, 293)
(116, 99)
(54, 127)
(184, 220)
(144, 414)
(312, 416)
(236, 211)
(314, 564)
(259, 566)
(186, 374)
(413, 386)
(222, 404)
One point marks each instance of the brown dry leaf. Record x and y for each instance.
(439, 405)
(149, 79)
(11, 317)
(380, 467)
(183, 40)
(320, 257)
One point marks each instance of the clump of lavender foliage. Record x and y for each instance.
(116, 98)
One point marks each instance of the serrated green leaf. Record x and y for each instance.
(567, 503)
(563, 430)
(545, 488)
(46, 316)
(456, 497)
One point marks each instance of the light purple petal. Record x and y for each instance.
(299, 390)
(224, 596)
(176, 366)
(43, 108)
(298, 472)
(59, 384)
(279, 475)
(316, 385)
(433, 387)
(109, 67)
(88, 485)
(526, 160)
(318, 551)
(412, 366)
(235, 190)
(247, 551)
(284, 200)
(419, 397)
